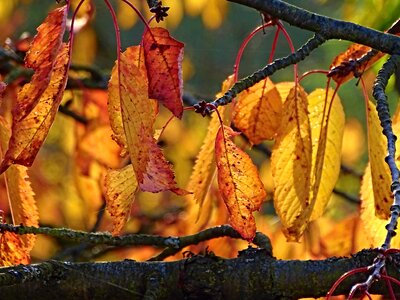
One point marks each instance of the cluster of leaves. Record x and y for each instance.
(307, 130)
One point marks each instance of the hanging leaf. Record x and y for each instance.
(20, 194)
(258, 111)
(159, 175)
(29, 133)
(284, 89)
(239, 183)
(326, 135)
(12, 251)
(41, 57)
(374, 226)
(129, 103)
(133, 72)
(380, 173)
(120, 189)
(163, 56)
(204, 168)
(291, 165)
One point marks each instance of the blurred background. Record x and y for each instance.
(212, 31)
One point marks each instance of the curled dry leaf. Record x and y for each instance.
(380, 173)
(291, 164)
(120, 189)
(258, 111)
(41, 57)
(29, 133)
(239, 183)
(163, 56)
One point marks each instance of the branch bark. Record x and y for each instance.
(253, 275)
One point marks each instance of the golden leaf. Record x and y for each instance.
(258, 111)
(377, 151)
(291, 165)
(120, 188)
(239, 183)
(29, 133)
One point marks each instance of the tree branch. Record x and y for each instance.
(252, 275)
(330, 28)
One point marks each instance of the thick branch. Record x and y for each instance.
(330, 28)
(253, 275)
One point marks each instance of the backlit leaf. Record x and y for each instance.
(41, 57)
(132, 113)
(326, 147)
(239, 183)
(159, 175)
(133, 56)
(291, 165)
(204, 168)
(163, 56)
(380, 173)
(20, 194)
(258, 111)
(374, 226)
(120, 188)
(29, 133)
(12, 251)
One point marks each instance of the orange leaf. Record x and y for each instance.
(12, 251)
(133, 71)
(258, 111)
(291, 165)
(380, 173)
(163, 56)
(20, 194)
(354, 61)
(159, 175)
(29, 133)
(41, 57)
(132, 113)
(239, 183)
(120, 188)
(204, 168)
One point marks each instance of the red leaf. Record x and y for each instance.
(163, 57)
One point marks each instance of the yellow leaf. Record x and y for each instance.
(374, 226)
(120, 188)
(12, 251)
(258, 111)
(29, 133)
(326, 147)
(291, 165)
(377, 150)
(239, 183)
(284, 89)
(204, 168)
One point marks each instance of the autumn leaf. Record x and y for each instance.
(163, 56)
(41, 57)
(291, 164)
(132, 113)
(380, 173)
(326, 134)
(239, 183)
(133, 72)
(120, 189)
(258, 111)
(29, 133)
(20, 194)
(204, 167)
(159, 175)
(284, 89)
(12, 251)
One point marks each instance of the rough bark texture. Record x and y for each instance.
(253, 275)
